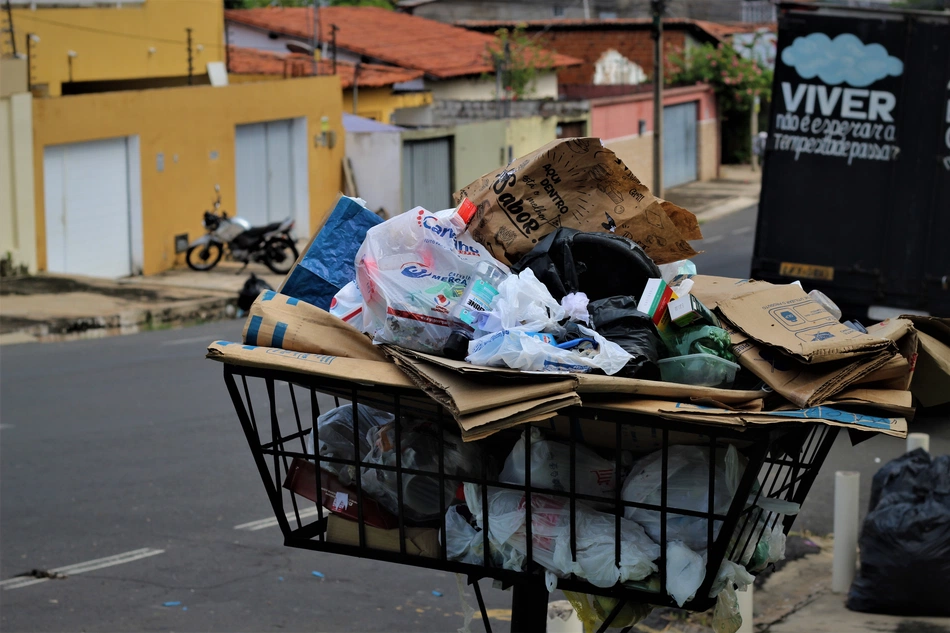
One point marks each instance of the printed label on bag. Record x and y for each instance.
(340, 502)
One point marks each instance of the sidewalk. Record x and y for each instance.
(58, 307)
(797, 598)
(736, 188)
(49, 307)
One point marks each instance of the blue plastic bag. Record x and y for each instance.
(329, 263)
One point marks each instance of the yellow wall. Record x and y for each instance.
(372, 103)
(196, 124)
(380, 103)
(17, 227)
(113, 43)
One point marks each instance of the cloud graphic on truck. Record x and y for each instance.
(843, 59)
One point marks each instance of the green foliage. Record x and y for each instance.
(737, 80)
(10, 269)
(519, 59)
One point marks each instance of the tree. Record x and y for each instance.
(736, 79)
(519, 60)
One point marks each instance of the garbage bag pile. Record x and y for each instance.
(563, 262)
(905, 540)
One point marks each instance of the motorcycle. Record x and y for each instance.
(272, 245)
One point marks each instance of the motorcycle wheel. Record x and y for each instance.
(280, 255)
(204, 256)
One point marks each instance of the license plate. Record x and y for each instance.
(806, 271)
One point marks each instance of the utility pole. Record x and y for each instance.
(333, 29)
(356, 86)
(10, 30)
(191, 69)
(315, 40)
(658, 7)
(31, 39)
(508, 70)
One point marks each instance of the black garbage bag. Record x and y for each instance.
(252, 289)
(905, 539)
(600, 265)
(617, 319)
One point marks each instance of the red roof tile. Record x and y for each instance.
(250, 61)
(438, 49)
(711, 28)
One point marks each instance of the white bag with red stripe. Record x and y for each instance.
(412, 269)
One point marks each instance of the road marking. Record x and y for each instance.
(710, 240)
(81, 568)
(744, 229)
(185, 341)
(253, 526)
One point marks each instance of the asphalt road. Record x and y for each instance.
(129, 445)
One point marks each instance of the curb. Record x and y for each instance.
(127, 322)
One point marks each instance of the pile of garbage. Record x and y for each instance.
(563, 270)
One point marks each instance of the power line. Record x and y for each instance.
(90, 29)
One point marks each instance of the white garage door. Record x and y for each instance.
(89, 195)
(271, 166)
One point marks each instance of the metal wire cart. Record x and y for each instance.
(597, 501)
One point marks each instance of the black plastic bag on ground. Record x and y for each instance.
(601, 265)
(617, 319)
(252, 289)
(905, 540)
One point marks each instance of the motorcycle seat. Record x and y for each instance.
(261, 230)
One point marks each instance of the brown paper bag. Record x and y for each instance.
(577, 183)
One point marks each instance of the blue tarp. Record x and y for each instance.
(329, 263)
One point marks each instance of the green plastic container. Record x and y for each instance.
(702, 370)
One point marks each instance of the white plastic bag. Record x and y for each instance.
(687, 489)
(523, 303)
(551, 467)
(518, 349)
(462, 542)
(335, 430)
(731, 577)
(685, 570)
(347, 305)
(551, 534)
(412, 269)
(575, 306)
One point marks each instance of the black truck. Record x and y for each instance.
(856, 175)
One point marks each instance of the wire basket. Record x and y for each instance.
(777, 465)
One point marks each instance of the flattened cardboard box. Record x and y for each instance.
(593, 383)
(355, 370)
(580, 184)
(277, 320)
(801, 384)
(787, 318)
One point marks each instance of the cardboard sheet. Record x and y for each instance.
(787, 318)
(931, 381)
(713, 290)
(596, 384)
(356, 370)
(577, 183)
(802, 384)
(896, 427)
(276, 320)
(481, 425)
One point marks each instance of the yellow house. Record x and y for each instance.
(367, 88)
(128, 137)
(74, 48)
(122, 178)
